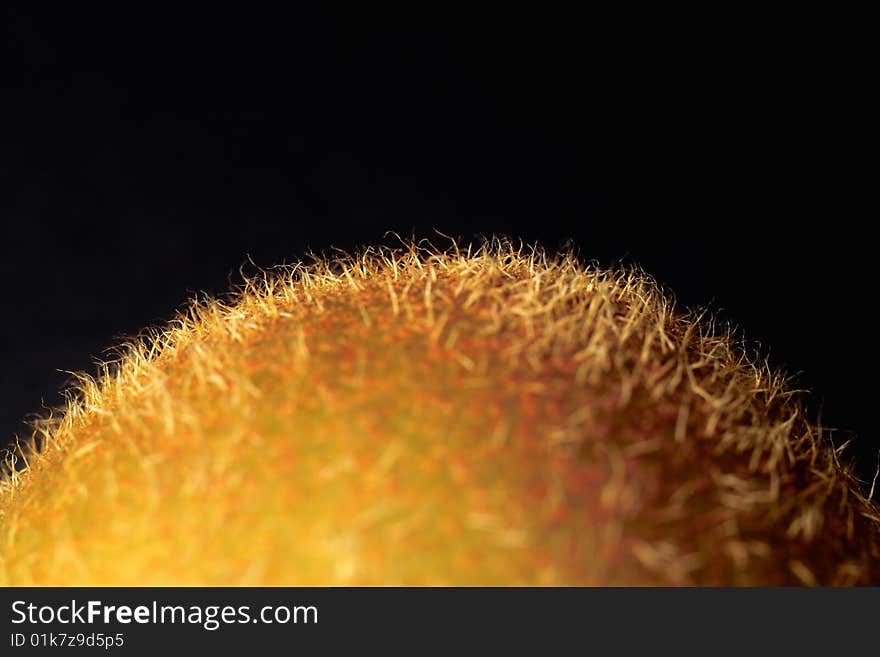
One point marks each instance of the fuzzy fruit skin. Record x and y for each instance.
(413, 417)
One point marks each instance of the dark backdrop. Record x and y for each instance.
(143, 158)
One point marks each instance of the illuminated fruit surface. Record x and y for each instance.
(416, 417)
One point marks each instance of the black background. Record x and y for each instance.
(145, 157)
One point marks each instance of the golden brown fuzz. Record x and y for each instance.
(412, 416)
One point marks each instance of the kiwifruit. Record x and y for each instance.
(489, 415)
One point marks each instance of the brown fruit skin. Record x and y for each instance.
(417, 417)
